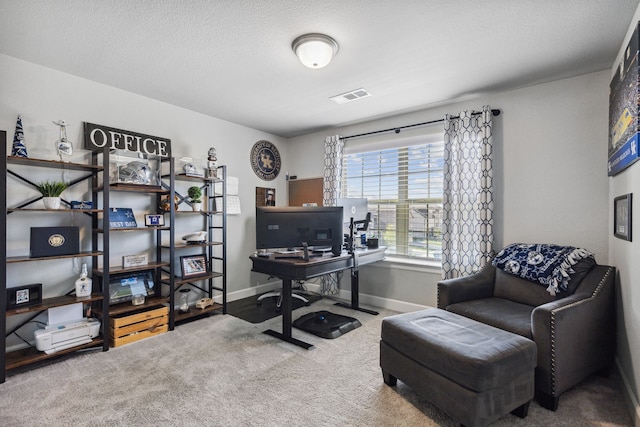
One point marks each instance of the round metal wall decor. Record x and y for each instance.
(265, 160)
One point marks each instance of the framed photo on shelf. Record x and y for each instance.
(153, 220)
(193, 266)
(23, 296)
(622, 217)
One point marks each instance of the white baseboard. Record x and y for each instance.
(249, 292)
(371, 300)
(629, 397)
(344, 295)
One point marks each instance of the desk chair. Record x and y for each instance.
(278, 294)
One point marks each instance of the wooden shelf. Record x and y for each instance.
(197, 312)
(127, 307)
(118, 269)
(193, 245)
(185, 177)
(153, 227)
(9, 210)
(185, 212)
(25, 258)
(48, 303)
(179, 281)
(138, 188)
(29, 355)
(57, 164)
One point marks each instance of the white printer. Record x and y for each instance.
(61, 336)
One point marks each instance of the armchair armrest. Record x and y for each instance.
(575, 335)
(475, 286)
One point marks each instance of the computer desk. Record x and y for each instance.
(290, 269)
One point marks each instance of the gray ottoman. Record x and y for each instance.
(474, 372)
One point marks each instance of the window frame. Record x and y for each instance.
(403, 203)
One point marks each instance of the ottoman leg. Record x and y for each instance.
(389, 379)
(522, 410)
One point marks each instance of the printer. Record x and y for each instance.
(65, 335)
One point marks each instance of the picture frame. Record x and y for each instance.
(24, 296)
(135, 260)
(622, 217)
(193, 266)
(154, 220)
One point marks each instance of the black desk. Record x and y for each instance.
(290, 269)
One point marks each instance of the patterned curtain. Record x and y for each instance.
(333, 147)
(467, 235)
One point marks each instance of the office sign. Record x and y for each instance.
(97, 137)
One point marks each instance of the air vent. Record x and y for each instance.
(353, 95)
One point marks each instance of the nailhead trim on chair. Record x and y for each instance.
(553, 328)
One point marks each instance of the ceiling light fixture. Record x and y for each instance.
(315, 50)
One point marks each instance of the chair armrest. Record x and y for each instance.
(575, 335)
(475, 286)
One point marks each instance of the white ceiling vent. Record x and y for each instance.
(343, 98)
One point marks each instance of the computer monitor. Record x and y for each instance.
(290, 227)
(355, 208)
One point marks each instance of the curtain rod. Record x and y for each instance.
(495, 112)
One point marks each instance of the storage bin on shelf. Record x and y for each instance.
(137, 325)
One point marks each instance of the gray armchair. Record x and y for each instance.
(574, 331)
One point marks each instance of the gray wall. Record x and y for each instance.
(624, 255)
(550, 174)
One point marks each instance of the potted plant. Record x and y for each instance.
(195, 195)
(51, 191)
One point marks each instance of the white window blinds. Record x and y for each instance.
(403, 186)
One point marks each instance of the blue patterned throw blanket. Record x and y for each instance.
(550, 265)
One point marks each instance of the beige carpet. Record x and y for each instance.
(223, 371)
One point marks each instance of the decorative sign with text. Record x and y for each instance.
(122, 218)
(103, 137)
(265, 160)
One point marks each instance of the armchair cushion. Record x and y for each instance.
(524, 291)
(498, 312)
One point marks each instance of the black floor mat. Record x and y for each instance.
(326, 324)
(248, 309)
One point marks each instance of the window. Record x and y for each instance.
(403, 186)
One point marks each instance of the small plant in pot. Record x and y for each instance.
(195, 195)
(51, 191)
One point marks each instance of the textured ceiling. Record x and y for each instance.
(232, 59)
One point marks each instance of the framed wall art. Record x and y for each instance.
(622, 217)
(624, 114)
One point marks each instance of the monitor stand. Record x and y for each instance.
(326, 324)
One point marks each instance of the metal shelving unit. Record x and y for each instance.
(213, 284)
(29, 355)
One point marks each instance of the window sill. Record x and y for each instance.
(433, 267)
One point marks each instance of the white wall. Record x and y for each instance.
(624, 255)
(550, 173)
(42, 95)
